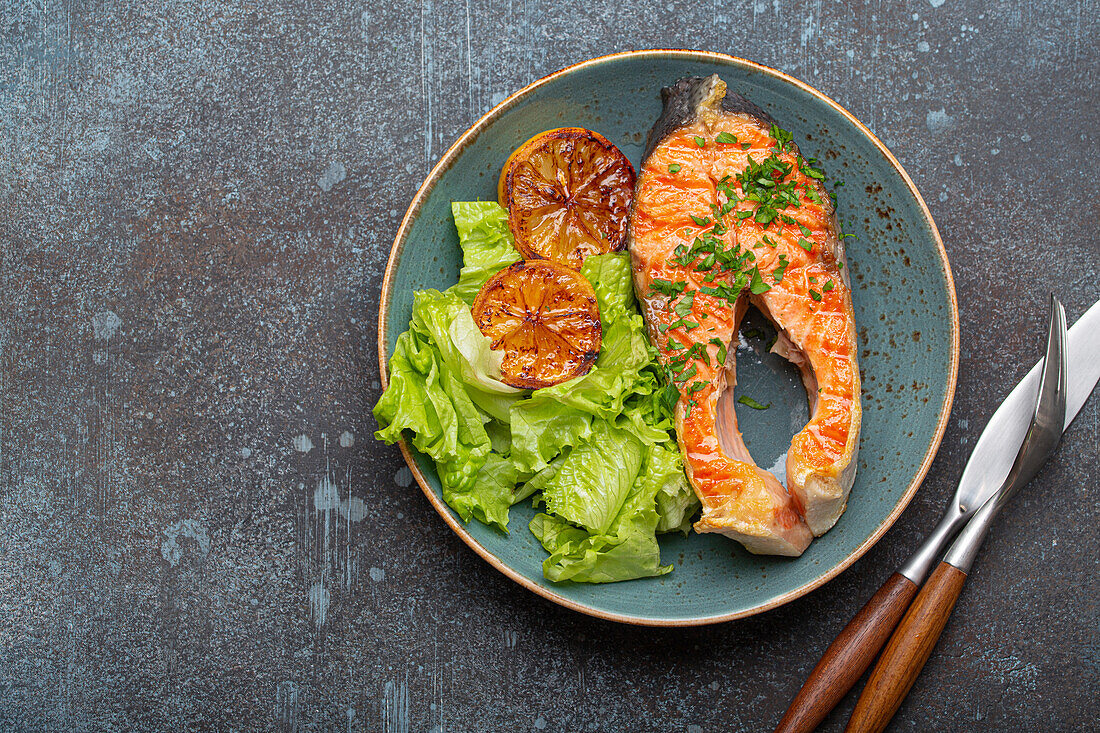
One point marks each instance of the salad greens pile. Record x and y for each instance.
(597, 453)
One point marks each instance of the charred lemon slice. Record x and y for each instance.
(568, 193)
(544, 317)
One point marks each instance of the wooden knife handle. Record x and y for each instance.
(907, 651)
(849, 656)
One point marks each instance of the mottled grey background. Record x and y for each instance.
(197, 530)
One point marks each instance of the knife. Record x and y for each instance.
(852, 652)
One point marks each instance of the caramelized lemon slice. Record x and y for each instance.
(544, 317)
(568, 194)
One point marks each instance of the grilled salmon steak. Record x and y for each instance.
(727, 212)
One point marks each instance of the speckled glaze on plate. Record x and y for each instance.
(905, 309)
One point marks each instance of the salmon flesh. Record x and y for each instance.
(727, 212)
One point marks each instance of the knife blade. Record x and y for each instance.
(993, 453)
(992, 456)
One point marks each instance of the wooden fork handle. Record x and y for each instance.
(849, 656)
(907, 651)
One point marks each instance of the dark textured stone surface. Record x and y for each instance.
(196, 203)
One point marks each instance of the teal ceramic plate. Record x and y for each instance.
(904, 304)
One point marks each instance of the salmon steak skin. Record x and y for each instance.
(726, 213)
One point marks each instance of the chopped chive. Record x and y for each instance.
(827, 286)
(805, 244)
(674, 168)
(815, 295)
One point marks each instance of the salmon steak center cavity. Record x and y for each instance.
(726, 213)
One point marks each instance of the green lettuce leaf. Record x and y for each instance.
(598, 550)
(490, 496)
(597, 452)
(664, 476)
(444, 389)
(538, 482)
(610, 275)
(487, 245)
(592, 484)
(583, 558)
(445, 320)
(425, 398)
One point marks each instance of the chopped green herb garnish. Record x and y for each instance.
(805, 244)
(683, 308)
(750, 402)
(687, 374)
(667, 287)
(815, 295)
(700, 141)
(783, 139)
(757, 285)
(698, 351)
(777, 273)
(827, 286)
(701, 221)
(682, 323)
(721, 356)
(808, 169)
(725, 138)
(674, 168)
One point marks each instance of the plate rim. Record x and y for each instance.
(444, 511)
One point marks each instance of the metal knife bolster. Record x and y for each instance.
(917, 567)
